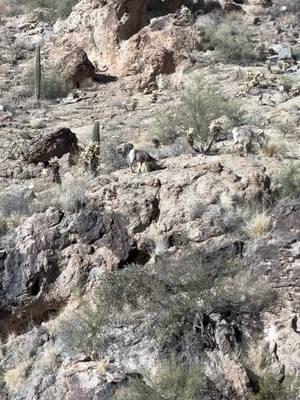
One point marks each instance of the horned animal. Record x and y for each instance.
(245, 136)
(140, 157)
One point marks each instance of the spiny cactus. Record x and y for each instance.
(54, 165)
(38, 73)
(90, 157)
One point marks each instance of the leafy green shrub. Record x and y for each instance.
(271, 389)
(288, 180)
(171, 381)
(52, 86)
(200, 105)
(233, 40)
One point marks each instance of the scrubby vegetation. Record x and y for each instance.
(171, 304)
(234, 40)
(201, 105)
(62, 8)
(52, 86)
(170, 380)
(288, 180)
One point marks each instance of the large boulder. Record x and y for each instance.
(76, 67)
(136, 38)
(55, 144)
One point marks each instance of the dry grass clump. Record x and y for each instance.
(259, 224)
(14, 378)
(226, 200)
(169, 380)
(49, 361)
(275, 148)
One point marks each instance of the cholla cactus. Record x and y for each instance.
(131, 105)
(284, 65)
(253, 79)
(54, 166)
(216, 128)
(185, 12)
(90, 157)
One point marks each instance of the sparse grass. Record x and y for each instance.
(233, 40)
(67, 196)
(48, 361)
(226, 200)
(286, 126)
(14, 209)
(52, 86)
(275, 148)
(14, 378)
(259, 224)
(258, 361)
(271, 389)
(169, 380)
(288, 180)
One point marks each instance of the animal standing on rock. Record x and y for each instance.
(245, 136)
(141, 157)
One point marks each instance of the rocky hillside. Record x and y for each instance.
(177, 278)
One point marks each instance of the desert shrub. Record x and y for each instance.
(274, 148)
(63, 8)
(258, 224)
(82, 329)
(271, 389)
(170, 380)
(173, 304)
(287, 180)
(52, 86)
(200, 105)
(233, 40)
(14, 208)
(14, 378)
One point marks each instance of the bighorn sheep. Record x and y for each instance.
(245, 136)
(141, 157)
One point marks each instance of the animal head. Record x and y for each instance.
(125, 148)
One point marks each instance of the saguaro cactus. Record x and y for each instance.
(38, 73)
(96, 133)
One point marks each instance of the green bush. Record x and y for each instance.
(52, 86)
(233, 41)
(288, 180)
(200, 104)
(171, 381)
(271, 389)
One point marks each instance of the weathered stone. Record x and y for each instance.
(55, 144)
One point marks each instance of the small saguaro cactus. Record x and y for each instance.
(38, 74)
(96, 133)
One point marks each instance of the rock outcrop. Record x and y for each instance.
(55, 144)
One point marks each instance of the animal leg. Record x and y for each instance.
(130, 166)
(140, 167)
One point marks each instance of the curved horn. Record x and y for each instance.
(104, 69)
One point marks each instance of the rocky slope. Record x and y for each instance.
(143, 239)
